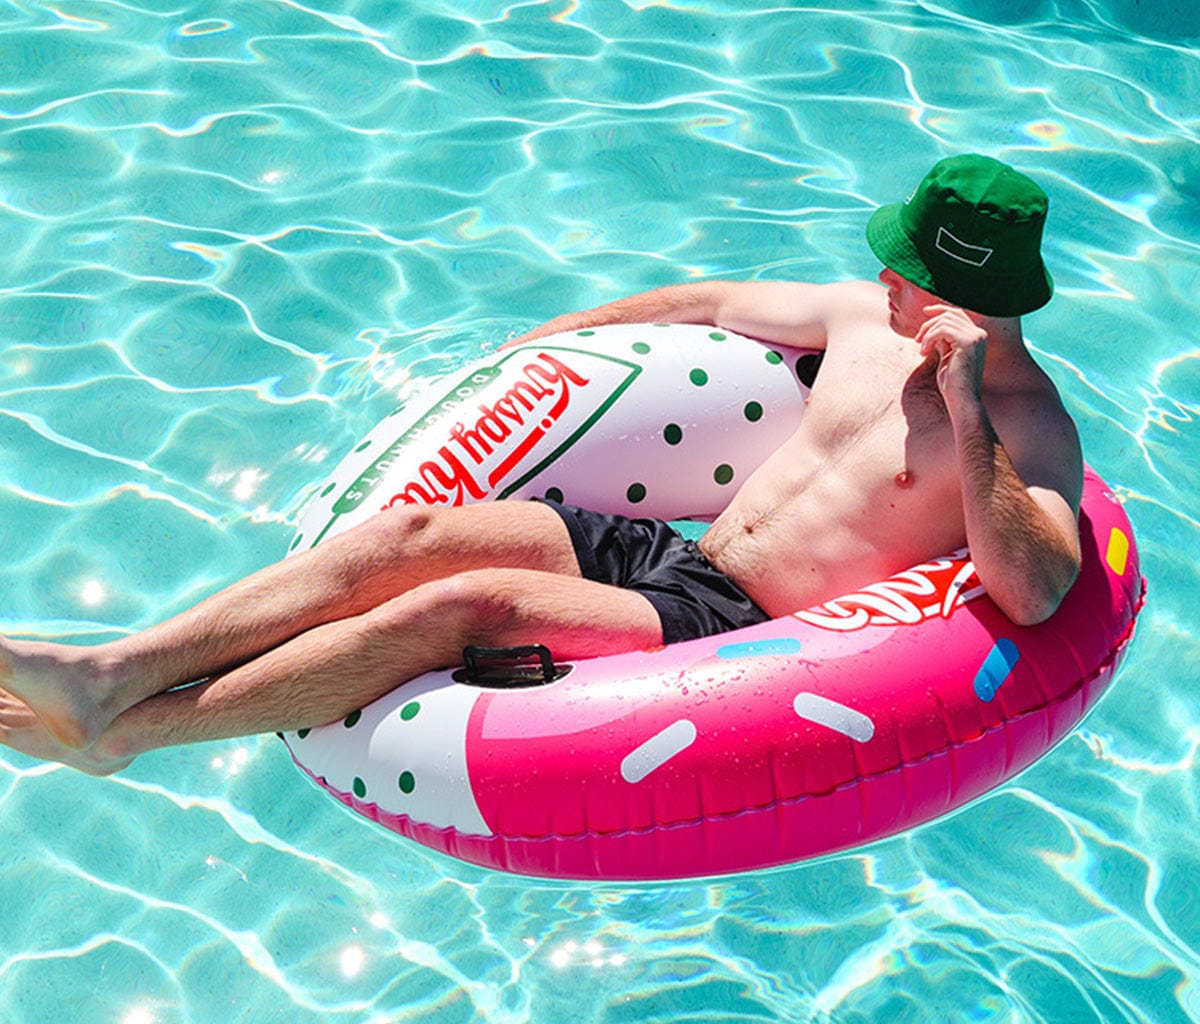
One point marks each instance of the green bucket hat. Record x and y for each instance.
(971, 233)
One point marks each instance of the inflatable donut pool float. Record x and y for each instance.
(806, 735)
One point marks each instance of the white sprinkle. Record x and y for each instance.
(658, 750)
(835, 716)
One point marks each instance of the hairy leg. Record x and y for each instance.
(337, 667)
(78, 691)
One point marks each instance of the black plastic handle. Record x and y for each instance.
(509, 667)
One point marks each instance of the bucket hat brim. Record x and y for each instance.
(996, 296)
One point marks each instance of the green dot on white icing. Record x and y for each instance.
(359, 787)
(698, 377)
(407, 782)
(774, 358)
(641, 348)
(723, 473)
(753, 411)
(635, 493)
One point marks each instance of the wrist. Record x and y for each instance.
(968, 417)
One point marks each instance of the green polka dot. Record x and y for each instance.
(698, 377)
(554, 494)
(641, 348)
(407, 782)
(410, 710)
(723, 473)
(302, 733)
(352, 719)
(664, 325)
(774, 358)
(672, 433)
(328, 490)
(717, 336)
(635, 493)
(360, 788)
(363, 447)
(585, 334)
(753, 411)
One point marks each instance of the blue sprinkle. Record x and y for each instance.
(759, 649)
(996, 668)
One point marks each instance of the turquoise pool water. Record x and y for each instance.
(234, 234)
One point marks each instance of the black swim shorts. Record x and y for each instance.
(691, 596)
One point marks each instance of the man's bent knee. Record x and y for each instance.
(517, 534)
(478, 606)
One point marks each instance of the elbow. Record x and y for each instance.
(1032, 613)
(1037, 603)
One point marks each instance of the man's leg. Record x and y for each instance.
(78, 691)
(335, 668)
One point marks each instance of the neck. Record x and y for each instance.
(1005, 339)
(1006, 349)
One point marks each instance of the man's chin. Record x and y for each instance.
(897, 324)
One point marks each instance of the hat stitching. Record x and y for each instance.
(974, 255)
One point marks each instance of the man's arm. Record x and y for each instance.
(780, 312)
(1020, 506)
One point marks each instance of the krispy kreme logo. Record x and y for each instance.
(932, 589)
(492, 431)
(477, 456)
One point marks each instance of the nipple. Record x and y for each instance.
(904, 479)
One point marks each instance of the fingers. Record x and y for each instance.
(946, 329)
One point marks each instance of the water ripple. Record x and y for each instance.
(236, 238)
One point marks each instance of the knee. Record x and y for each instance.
(488, 605)
(406, 533)
(481, 606)
(400, 526)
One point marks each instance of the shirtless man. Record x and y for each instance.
(930, 426)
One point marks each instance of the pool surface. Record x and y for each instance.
(235, 235)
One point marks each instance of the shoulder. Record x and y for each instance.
(1041, 438)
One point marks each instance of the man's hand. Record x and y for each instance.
(960, 346)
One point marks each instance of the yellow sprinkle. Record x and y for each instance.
(1118, 551)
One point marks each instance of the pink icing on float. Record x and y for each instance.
(838, 725)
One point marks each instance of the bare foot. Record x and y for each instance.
(23, 731)
(65, 687)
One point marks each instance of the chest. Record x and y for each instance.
(887, 397)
